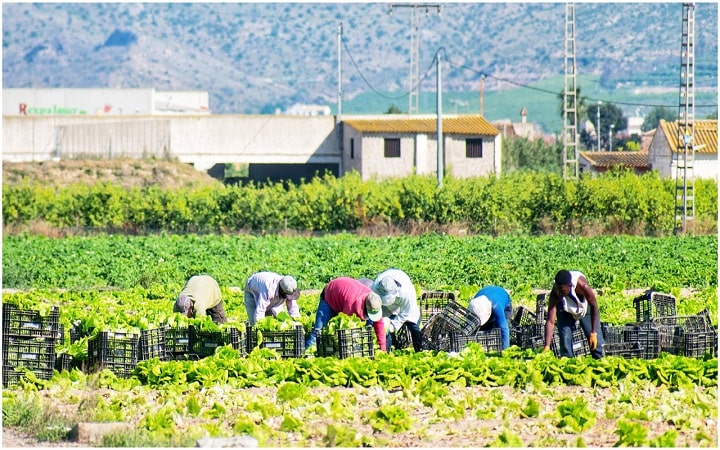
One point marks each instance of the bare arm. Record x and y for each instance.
(550, 320)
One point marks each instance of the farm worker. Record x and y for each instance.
(349, 296)
(399, 304)
(568, 301)
(200, 297)
(494, 307)
(265, 293)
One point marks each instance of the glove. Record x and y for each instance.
(593, 341)
(388, 325)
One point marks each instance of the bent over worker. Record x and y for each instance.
(349, 296)
(200, 297)
(569, 301)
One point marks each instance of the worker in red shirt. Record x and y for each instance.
(352, 297)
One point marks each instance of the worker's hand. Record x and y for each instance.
(593, 341)
(388, 325)
(546, 348)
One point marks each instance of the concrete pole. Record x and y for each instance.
(439, 123)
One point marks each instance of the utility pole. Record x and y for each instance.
(685, 155)
(339, 80)
(440, 150)
(610, 132)
(413, 81)
(482, 88)
(598, 124)
(570, 136)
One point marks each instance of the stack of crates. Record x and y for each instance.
(118, 352)
(663, 330)
(691, 336)
(442, 329)
(430, 304)
(346, 343)
(204, 343)
(289, 344)
(527, 329)
(28, 341)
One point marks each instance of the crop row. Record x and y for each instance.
(422, 399)
(611, 263)
(515, 203)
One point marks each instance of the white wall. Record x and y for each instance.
(200, 140)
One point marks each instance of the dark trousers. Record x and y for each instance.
(566, 325)
(217, 313)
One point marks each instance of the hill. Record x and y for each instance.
(260, 57)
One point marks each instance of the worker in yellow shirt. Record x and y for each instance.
(200, 297)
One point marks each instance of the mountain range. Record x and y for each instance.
(256, 58)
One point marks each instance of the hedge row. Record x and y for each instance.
(526, 202)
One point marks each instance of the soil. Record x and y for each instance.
(429, 431)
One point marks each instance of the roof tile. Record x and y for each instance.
(465, 124)
(705, 136)
(609, 159)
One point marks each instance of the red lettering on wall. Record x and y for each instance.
(23, 109)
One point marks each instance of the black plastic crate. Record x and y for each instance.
(541, 307)
(177, 343)
(581, 347)
(204, 343)
(699, 323)
(523, 316)
(33, 353)
(491, 340)
(457, 318)
(526, 336)
(346, 343)
(612, 333)
(152, 344)
(626, 350)
(433, 302)
(64, 361)
(434, 334)
(289, 344)
(11, 377)
(648, 337)
(29, 323)
(118, 352)
(696, 345)
(654, 304)
(402, 338)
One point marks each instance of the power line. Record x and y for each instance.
(419, 82)
(461, 66)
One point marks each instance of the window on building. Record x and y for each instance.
(352, 148)
(392, 148)
(473, 148)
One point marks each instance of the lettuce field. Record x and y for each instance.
(472, 398)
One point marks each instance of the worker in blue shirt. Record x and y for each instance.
(494, 307)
